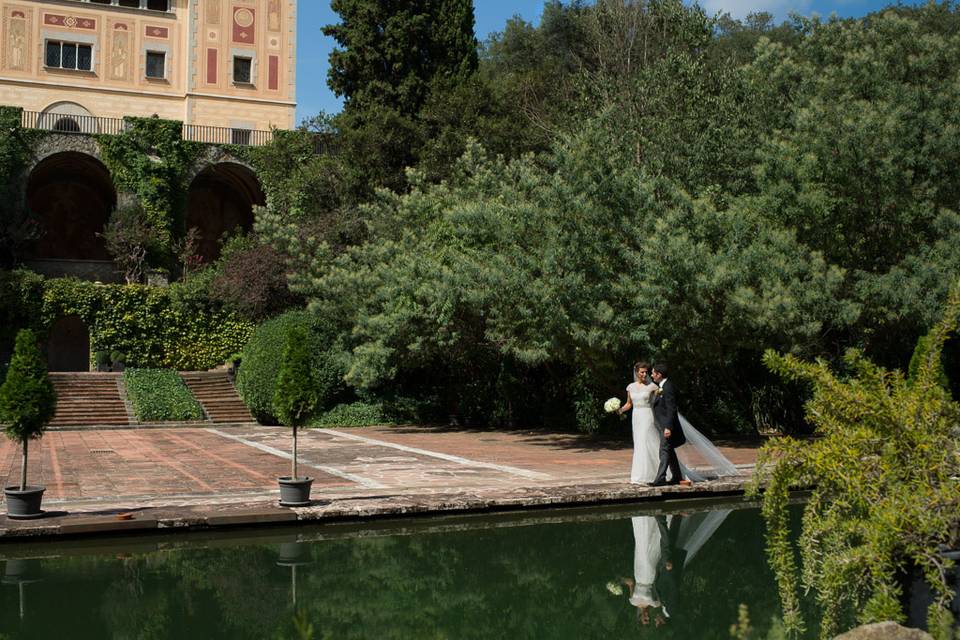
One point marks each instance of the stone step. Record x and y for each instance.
(217, 395)
(88, 399)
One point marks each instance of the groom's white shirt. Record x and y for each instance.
(661, 383)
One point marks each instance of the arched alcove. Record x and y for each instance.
(68, 347)
(69, 117)
(221, 199)
(71, 195)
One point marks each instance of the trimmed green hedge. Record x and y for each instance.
(160, 394)
(260, 364)
(355, 414)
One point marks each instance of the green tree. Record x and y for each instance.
(883, 472)
(27, 399)
(511, 268)
(390, 52)
(295, 397)
(392, 56)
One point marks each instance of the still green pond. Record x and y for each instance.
(621, 573)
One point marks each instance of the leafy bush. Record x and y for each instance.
(160, 394)
(355, 414)
(884, 468)
(129, 237)
(253, 282)
(260, 363)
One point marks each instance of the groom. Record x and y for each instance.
(666, 418)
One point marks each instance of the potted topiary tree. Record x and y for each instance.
(102, 360)
(27, 402)
(118, 361)
(294, 400)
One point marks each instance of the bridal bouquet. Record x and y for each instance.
(614, 589)
(611, 405)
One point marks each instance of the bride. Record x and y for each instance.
(646, 438)
(710, 463)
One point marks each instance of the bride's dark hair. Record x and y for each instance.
(643, 364)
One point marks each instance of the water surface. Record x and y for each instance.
(564, 574)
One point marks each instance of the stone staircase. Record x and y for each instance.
(217, 395)
(88, 399)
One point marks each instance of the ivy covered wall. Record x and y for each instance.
(150, 164)
(153, 327)
(151, 160)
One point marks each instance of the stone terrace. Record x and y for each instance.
(199, 477)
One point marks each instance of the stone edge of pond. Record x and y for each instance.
(206, 517)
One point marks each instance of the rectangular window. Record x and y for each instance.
(241, 70)
(132, 4)
(69, 55)
(156, 63)
(158, 5)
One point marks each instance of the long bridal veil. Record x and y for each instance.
(700, 459)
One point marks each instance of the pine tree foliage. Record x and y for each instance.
(884, 470)
(392, 50)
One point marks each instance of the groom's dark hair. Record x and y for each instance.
(661, 368)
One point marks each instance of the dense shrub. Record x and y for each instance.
(354, 414)
(252, 280)
(160, 394)
(260, 363)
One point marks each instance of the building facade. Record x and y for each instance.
(217, 65)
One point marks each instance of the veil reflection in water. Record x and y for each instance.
(663, 547)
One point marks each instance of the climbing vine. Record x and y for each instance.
(151, 326)
(16, 149)
(151, 159)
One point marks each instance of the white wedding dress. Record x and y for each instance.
(699, 459)
(646, 438)
(646, 557)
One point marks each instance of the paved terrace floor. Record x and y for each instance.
(185, 476)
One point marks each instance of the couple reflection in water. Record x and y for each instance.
(663, 548)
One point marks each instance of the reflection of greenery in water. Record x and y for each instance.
(536, 581)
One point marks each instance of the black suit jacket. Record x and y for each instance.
(666, 416)
(668, 581)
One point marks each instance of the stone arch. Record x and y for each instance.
(70, 117)
(221, 198)
(68, 345)
(71, 195)
(56, 142)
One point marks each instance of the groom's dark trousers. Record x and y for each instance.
(665, 416)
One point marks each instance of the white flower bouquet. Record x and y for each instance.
(611, 405)
(614, 589)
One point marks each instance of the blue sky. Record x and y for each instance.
(313, 48)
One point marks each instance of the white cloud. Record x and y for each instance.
(780, 9)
